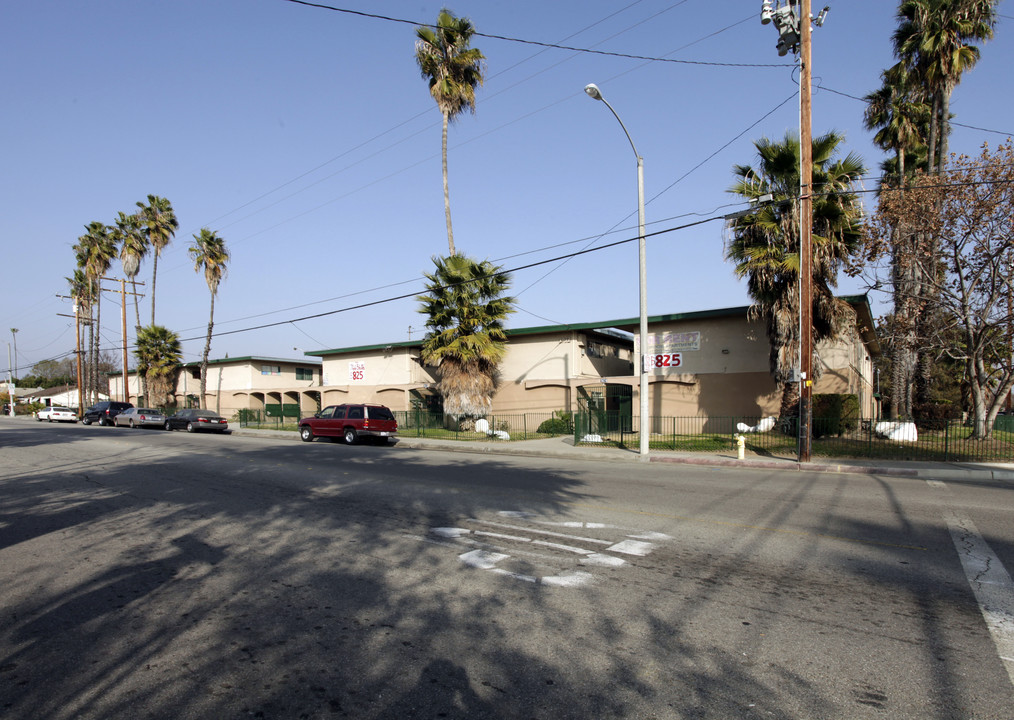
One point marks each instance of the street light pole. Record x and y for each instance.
(14, 334)
(643, 434)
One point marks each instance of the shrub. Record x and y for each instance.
(562, 423)
(835, 414)
(933, 416)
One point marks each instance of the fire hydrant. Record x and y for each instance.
(741, 446)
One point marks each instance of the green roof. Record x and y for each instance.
(860, 302)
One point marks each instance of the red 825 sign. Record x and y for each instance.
(662, 361)
(357, 370)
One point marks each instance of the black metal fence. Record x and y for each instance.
(941, 440)
(505, 427)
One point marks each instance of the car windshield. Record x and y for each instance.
(205, 414)
(146, 411)
(59, 409)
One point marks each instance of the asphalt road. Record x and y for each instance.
(146, 574)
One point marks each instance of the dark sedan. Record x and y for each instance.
(195, 420)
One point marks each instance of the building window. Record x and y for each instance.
(304, 373)
(271, 370)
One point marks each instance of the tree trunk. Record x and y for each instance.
(447, 193)
(96, 386)
(154, 274)
(204, 356)
(87, 374)
(931, 145)
(790, 400)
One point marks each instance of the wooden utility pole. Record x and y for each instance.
(805, 239)
(77, 354)
(123, 322)
(123, 325)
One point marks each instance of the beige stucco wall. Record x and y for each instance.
(380, 368)
(726, 375)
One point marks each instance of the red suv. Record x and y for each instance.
(350, 422)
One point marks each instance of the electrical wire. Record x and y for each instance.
(554, 46)
(864, 101)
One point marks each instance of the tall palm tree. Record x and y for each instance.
(158, 352)
(765, 246)
(158, 224)
(95, 252)
(901, 117)
(454, 71)
(210, 256)
(933, 39)
(133, 249)
(466, 309)
(81, 292)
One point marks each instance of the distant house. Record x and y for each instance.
(62, 396)
(251, 382)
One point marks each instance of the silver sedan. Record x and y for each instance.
(139, 417)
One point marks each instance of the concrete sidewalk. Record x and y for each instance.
(563, 447)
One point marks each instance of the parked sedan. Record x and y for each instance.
(195, 420)
(55, 413)
(139, 417)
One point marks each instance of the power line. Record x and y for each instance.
(554, 46)
(951, 122)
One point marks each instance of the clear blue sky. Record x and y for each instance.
(308, 140)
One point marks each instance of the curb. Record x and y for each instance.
(617, 456)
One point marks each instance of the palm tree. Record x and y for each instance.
(158, 224)
(466, 309)
(81, 292)
(765, 246)
(133, 249)
(209, 254)
(932, 40)
(899, 114)
(158, 352)
(901, 117)
(95, 252)
(454, 70)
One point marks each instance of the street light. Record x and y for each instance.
(594, 93)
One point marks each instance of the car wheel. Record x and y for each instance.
(103, 422)
(86, 421)
(49, 419)
(351, 438)
(306, 433)
(38, 419)
(168, 425)
(190, 427)
(131, 423)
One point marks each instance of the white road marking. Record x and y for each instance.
(575, 579)
(991, 583)
(657, 536)
(482, 559)
(561, 546)
(505, 526)
(487, 554)
(603, 560)
(632, 547)
(449, 532)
